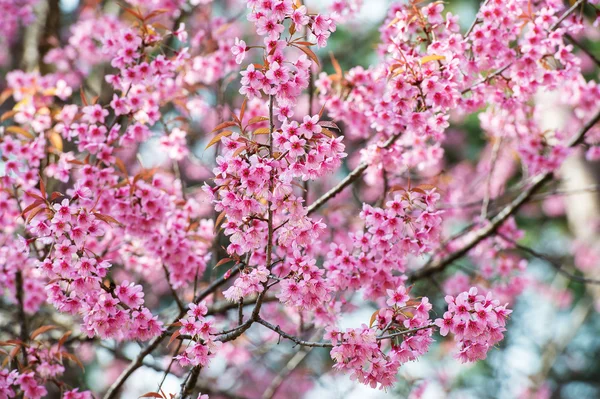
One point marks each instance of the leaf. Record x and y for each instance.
(243, 109)
(304, 43)
(373, 318)
(310, 54)
(63, 339)
(56, 140)
(219, 220)
(218, 138)
(42, 186)
(136, 14)
(107, 219)
(433, 57)
(328, 133)
(84, 100)
(7, 114)
(34, 214)
(222, 262)
(322, 110)
(176, 334)
(397, 188)
(74, 359)
(238, 151)
(5, 95)
(152, 395)
(262, 130)
(121, 165)
(155, 13)
(19, 130)
(329, 124)
(55, 195)
(42, 330)
(35, 204)
(392, 22)
(336, 65)
(257, 119)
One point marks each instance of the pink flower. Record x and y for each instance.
(239, 50)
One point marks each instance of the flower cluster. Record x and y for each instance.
(477, 322)
(359, 351)
(201, 331)
(409, 224)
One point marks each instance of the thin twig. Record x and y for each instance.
(583, 48)
(354, 175)
(112, 392)
(488, 186)
(559, 268)
(565, 15)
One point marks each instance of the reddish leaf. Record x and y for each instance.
(218, 138)
(222, 262)
(310, 54)
(174, 337)
(152, 395)
(224, 125)
(329, 124)
(84, 100)
(243, 109)
(42, 330)
(19, 130)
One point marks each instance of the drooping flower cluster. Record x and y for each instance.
(408, 224)
(201, 332)
(476, 321)
(359, 351)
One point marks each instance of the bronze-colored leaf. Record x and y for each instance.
(19, 130)
(218, 138)
(42, 330)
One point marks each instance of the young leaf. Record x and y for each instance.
(222, 262)
(176, 334)
(19, 130)
(224, 125)
(152, 395)
(218, 138)
(84, 100)
(262, 130)
(433, 57)
(56, 140)
(310, 54)
(257, 119)
(42, 330)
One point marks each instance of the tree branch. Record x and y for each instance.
(353, 176)
(139, 360)
(493, 225)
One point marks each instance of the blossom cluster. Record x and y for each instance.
(359, 352)
(202, 332)
(408, 224)
(476, 321)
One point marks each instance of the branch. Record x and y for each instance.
(555, 26)
(552, 262)
(493, 225)
(583, 48)
(353, 176)
(139, 360)
(301, 342)
(289, 368)
(24, 334)
(296, 340)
